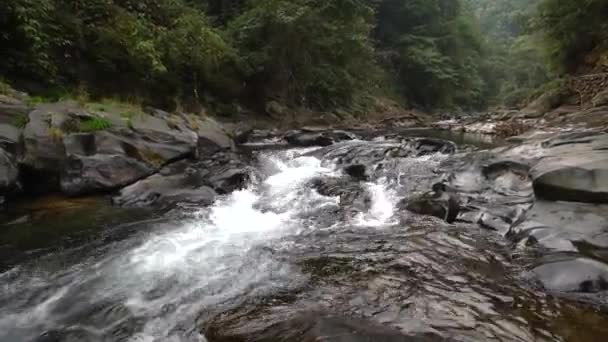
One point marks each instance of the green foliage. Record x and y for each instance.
(95, 124)
(435, 49)
(21, 120)
(5, 88)
(571, 30)
(324, 55)
(313, 53)
(514, 65)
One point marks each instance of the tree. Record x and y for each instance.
(434, 48)
(572, 29)
(305, 52)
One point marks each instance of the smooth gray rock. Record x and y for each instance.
(138, 145)
(44, 149)
(573, 275)
(9, 173)
(164, 190)
(212, 137)
(101, 172)
(11, 107)
(187, 181)
(439, 203)
(574, 168)
(10, 138)
(558, 226)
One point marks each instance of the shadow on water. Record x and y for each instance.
(31, 227)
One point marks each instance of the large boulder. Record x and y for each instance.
(10, 138)
(425, 146)
(101, 172)
(574, 168)
(9, 174)
(43, 142)
(188, 181)
(581, 275)
(13, 106)
(353, 196)
(10, 152)
(439, 203)
(131, 147)
(107, 160)
(176, 183)
(562, 226)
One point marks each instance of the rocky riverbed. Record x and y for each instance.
(196, 232)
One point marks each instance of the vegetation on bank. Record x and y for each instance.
(318, 54)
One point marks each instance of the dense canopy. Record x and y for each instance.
(317, 54)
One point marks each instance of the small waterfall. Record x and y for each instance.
(150, 292)
(154, 288)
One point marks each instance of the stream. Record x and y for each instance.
(302, 253)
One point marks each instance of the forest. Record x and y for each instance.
(317, 54)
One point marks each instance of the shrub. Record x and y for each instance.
(95, 124)
(21, 120)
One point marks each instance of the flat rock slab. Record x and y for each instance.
(574, 168)
(559, 226)
(573, 275)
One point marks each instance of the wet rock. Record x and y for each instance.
(9, 174)
(12, 106)
(368, 154)
(357, 172)
(309, 138)
(425, 146)
(228, 178)
(212, 137)
(165, 191)
(107, 160)
(353, 197)
(312, 328)
(558, 226)
(495, 221)
(79, 162)
(10, 138)
(439, 203)
(575, 168)
(102, 172)
(508, 178)
(43, 144)
(573, 275)
(187, 181)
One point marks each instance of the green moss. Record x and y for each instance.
(56, 134)
(124, 109)
(130, 124)
(5, 88)
(21, 120)
(38, 100)
(95, 124)
(153, 158)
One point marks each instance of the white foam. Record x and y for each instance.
(383, 205)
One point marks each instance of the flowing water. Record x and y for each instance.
(277, 251)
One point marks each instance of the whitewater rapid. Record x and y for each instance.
(155, 288)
